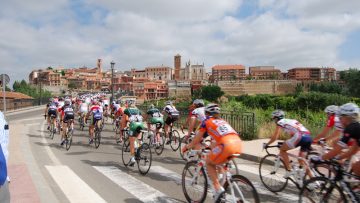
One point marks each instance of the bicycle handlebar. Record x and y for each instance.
(273, 146)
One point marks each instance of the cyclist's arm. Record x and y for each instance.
(335, 151)
(198, 138)
(323, 133)
(275, 136)
(335, 134)
(352, 151)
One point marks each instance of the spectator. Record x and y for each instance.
(4, 141)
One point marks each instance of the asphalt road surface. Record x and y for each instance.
(87, 174)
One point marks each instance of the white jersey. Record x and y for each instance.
(292, 126)
(171, 110)
(338, 125)
(199, 113)
(84, 108)
(116, 107)
(61, 104)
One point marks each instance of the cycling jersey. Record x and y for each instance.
(52, 109)
(154, 112)
(171, 110)
(334, 121)
(67, 112)
(227, 140)
(135, 120)
(96, 112)
(199, 113)
(292, 126)
(83, 108)
(351, 131)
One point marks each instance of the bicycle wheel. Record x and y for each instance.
(175, 140)
(194, 182)
(52, 130)
(125, 153)
(97, 137)
(160, 144)
(144, 158)
(233, 167)
(321, 189)
(240, 190)
(272, 171)
(68, 140)
(324, 170)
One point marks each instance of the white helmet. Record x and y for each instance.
(67, 102)
(349, 109)
(168, 103)
(198, 102)
(212, 109)
(279, 114)
(332, 109)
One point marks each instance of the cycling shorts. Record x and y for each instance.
(68, 117)
(302, 140)
(170, 120)
(52, 112)
(157, 120)
(228, 145)
(135, 127)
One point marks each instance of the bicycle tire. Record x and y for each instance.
(141, 155)
(322, 185)
(125, 153)
(233, 167)
(159, 149)
(324, 170)
(268, 162)
(68, 140)
(247, 190)
(52, 129)
(186, 181)
(184, 141)
(175, 140)
(97, 137)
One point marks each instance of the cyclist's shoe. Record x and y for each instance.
(91, 141)
(132, 161)
(168, 142)
(118, 140)
(218, 194)
(288, 174)
(62, 142)
(48, 128)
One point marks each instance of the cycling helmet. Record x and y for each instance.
(332, 109)
(212, 109)
(51, 100)
(67, 102)
(168, 103)
(349, 109)
(198, 102)
(279, 114)
(151, 106)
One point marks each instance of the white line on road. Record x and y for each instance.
(137, 188)
(51, 155)
(74, 188)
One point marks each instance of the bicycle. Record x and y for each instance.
(52, 129)
(237, 187)
(173, 138)
(81, 122)
(143, 155)
(337, 189)
(272, 171)
(97, 133)
(156, 141)
(69, 131)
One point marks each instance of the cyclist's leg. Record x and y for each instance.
(305, 147)
(287, 145)
(167, 125)
(192, 123)
(356, 168)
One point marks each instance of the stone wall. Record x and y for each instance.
(252, 87)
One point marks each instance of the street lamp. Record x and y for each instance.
(112, 80)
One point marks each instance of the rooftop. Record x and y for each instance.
(15, 95)
(228, 67)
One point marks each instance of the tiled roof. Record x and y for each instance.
(15, 95)
(228, 67)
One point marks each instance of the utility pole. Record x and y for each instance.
(4, 92)
(112, 80)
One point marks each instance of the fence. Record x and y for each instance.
(243, 122)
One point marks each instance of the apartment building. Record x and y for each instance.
(159, 73)
(228, 72)
(313, 74)
(264, 73)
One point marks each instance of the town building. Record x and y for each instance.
(264, 73)
(15, 100)
(313, 74)
(228, 72)
(190, 71)
(179, 89)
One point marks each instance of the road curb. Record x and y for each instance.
(250, 157)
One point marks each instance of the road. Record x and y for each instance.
(87, 174)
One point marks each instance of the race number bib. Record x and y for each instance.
(225, 129)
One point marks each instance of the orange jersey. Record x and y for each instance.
(217, 128)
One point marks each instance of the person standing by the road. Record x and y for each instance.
(4, 141)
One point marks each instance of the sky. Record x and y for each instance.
(135, 34)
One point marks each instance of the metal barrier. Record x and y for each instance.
(242, 122)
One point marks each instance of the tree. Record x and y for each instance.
(62, 73)
(352, 81)
(49, 68)
(299, 89)
(211, 92)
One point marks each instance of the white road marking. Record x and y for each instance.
(137, 188)
(52, 156)
(74, 188)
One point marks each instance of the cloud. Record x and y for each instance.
(41, 33)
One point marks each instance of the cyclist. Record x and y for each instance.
(227, 143)
(300, 136)
(349, 116)
(153, 116)
(197, 115)
(133, 117)
(333, 121)
(172, 116)
(51, 109)
(96, 116)
(67, 115)
(118, 113)
(83, 110)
